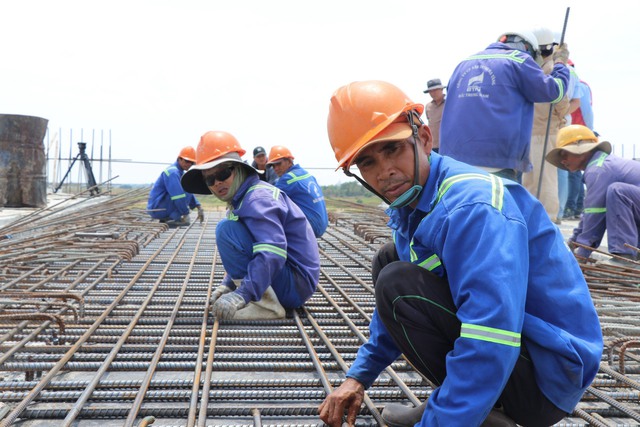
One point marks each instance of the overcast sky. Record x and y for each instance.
(150, 77)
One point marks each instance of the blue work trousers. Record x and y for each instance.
(235, 245)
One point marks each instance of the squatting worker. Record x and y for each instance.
(168, 201)
(479, 291)
(612, 201)
(266, 244)
(301, 187)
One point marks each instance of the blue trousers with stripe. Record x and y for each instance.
(235, 245)
(425, 329)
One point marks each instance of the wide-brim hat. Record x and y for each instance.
(433, 84)
(193, 181)
(576, 147)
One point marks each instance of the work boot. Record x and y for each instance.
(399, 415)
(178, 223)
(267, 308)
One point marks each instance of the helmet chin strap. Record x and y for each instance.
(412, 193)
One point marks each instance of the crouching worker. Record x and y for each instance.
(266, 244)
(612, 201)
(479, 291)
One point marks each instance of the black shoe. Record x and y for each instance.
(399, 415)
(176, 224)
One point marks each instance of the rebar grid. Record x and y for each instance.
(120, 334)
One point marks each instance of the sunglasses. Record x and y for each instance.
(223, 175)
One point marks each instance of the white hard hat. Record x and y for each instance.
(527, 36)
(545, 37)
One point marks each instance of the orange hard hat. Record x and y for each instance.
(279, 152)
(361, 110)
(216, 143)
(188, 153)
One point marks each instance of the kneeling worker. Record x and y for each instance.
(266, 244)
(477, 289)
(168, 201)
(301, 187)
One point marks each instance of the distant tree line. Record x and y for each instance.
(347, 189)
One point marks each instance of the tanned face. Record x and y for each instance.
(574, 162)
(388, 166)
(281, 166)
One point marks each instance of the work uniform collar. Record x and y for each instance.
(251, 180)
(427, 198)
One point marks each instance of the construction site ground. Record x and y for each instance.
(104, 321)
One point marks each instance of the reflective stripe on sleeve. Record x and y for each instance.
(483, 333)
(265, 247)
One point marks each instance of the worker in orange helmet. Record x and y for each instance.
(301, 187)
(266, 244)
(477, 288)
(168, 201)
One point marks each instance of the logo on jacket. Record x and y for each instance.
(479, 78)
(473, 85)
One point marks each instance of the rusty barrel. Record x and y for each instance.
(23, 173)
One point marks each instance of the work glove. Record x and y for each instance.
(227, 305)
(200, 214)
(185, 219)
(218, 292)
(561, 54)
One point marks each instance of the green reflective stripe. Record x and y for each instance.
(599, 161)
(166, 171)
(497, 187)
(274, 190)
(595, 210)
(483, 333)
(179, 196)
(298, 178)
(561, 88)
(265, 247)
(430, 263)
(232, 217)
(412, 255)
(513, 56)
(447, 183)
(497, 192)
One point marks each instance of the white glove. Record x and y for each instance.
(227, 305)
(218, 292)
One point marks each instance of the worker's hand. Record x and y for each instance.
(218, 292)
(200, 214)
(227, 305)
(561, 54)
(185, 219)
(348, 396)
